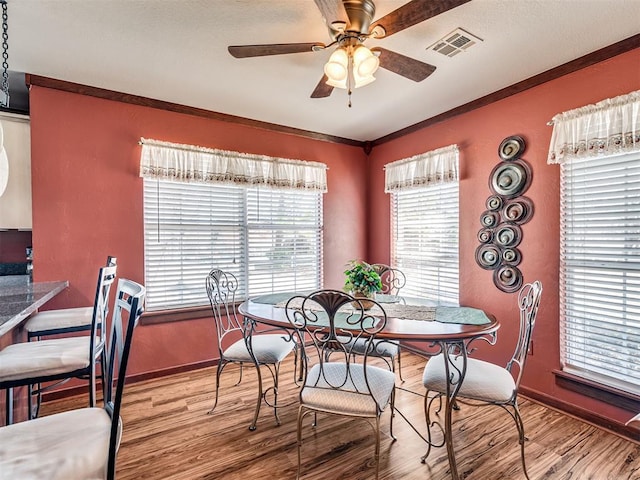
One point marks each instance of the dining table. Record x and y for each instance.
(411, 322)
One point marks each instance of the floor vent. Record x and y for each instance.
(455, 42)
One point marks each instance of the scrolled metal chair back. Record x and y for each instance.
(221, 290)
(393, 280)
(528, 303)
(328, 323)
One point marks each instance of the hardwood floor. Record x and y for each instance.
(168, 435)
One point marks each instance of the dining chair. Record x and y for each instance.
(393, 279)
(392, 282)
(83, 443)
(58, 359)
(485, 383)
(240, 345)
(327, 324)
(61, 321)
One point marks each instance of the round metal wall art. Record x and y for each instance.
(485, 235)
(494, 202)
(506, 210)
(508, 278)
(490, 219)
(520, 210)
(510, 179)
(488, 256)
(511, 148)
(508, 235)
(511, 256)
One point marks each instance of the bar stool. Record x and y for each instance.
(65, 320)
(59, 359)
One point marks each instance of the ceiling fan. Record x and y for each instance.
(352, 64)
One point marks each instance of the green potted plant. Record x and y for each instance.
(362, 281)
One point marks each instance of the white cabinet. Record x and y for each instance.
(15, 202)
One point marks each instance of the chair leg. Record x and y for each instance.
(299, 440)
(392, 407)
(377, 452)
(521, 437)
(276, 376)
(33, 412)
(8, 406)
(92, 384)
(253, 426)
(221, 365)
(427, 415)
(400, 365)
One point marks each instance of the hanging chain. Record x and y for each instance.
(5, 54)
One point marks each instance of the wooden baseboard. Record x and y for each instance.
(140, 377)
(588, 416)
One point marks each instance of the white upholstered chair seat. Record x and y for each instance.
(380, 348)
(71, 445)
(267, 348)
(44, 358)
(482, 381)
(59, 319)
(319, 394)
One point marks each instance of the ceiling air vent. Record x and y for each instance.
(455, 42)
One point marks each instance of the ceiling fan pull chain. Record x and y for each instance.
(5, 55)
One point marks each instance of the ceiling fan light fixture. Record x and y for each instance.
(362, 80)
(337, 68)
(364, 61)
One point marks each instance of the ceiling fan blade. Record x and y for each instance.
(402, 65)
(415, 11)
(244, 51)
(332, 11)
(322, 90)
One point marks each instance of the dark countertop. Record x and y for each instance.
(20, 297)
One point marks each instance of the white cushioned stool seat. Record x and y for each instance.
(59, 319)
(67, 446)
(318, 392)
(268, 348)
(44, 358)
(482, 380)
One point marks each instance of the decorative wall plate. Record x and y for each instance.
(507, 235)
(511, 148)
(485, 235)
(511, 256)
(489, 219)
(519, 211)
(494, 202)
(508, 278)
(510, 179)
(488, 257)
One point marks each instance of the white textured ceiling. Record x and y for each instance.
(176, 51)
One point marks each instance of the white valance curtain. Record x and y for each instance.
(436, 166)
(608, 127)
(188, 163)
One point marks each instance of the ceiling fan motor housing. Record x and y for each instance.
(360, 13)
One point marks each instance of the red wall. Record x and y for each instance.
(478, 135)
(87, 202)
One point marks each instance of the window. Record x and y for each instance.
(270, 239)
(600, 269)
(425, 240)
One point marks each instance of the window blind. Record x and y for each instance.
(284, 241)
(425, 241)
(270, 239)
(600, 269)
